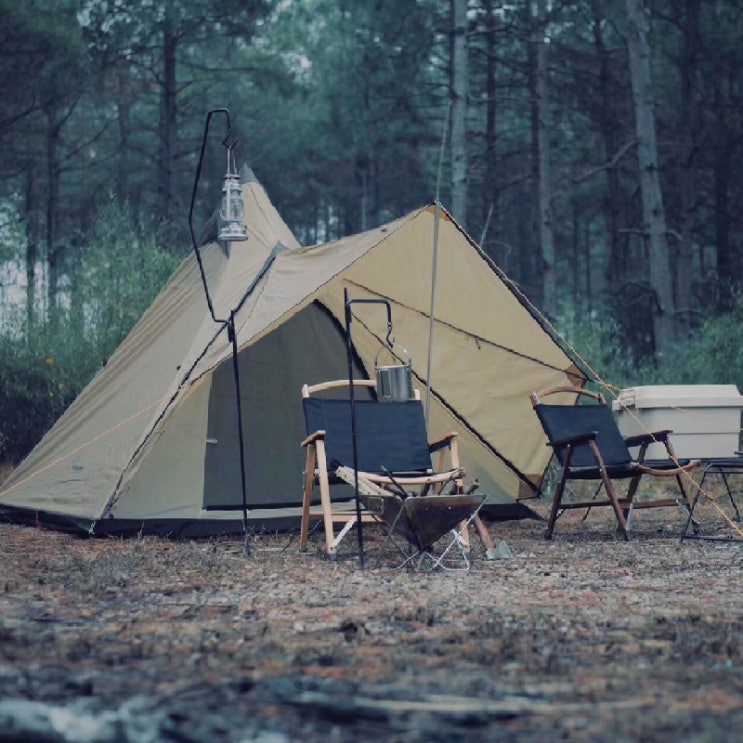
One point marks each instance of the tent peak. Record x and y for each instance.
(247, 175)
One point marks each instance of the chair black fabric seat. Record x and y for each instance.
(562, 422)
(389, 436)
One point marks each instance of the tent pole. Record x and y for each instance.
(434, 272)
(434, 268)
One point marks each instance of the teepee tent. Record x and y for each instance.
(152, 445)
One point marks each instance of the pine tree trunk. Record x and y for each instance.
(168, 111)
(653, 213)
(543, 125)
(616, 259)
(689, 125)
(53, 251)
(490, 202)
(723, 179)
(459, 110)
(32, 253)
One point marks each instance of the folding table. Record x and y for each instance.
(724, 467)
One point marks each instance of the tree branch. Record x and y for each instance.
(606, 166)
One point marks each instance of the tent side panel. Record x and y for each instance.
(167, 479)
(75, 467)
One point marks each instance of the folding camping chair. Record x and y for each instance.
(393, 455)
(589, 446)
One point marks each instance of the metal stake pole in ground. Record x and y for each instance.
(349, 356)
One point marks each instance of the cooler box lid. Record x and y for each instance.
(679, 396)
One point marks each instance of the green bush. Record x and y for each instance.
(600, 344)
(42, 369)
(710, 355)
(31, 398)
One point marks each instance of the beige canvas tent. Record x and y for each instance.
(152, 443)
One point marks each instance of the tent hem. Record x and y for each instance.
(172, 528)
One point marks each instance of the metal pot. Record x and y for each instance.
(394, 382)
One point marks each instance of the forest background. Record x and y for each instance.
(591, 147)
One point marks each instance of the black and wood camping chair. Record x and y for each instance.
(394, 463)
(589, 446)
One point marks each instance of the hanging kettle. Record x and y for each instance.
(394, 381)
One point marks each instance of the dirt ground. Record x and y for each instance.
(584, 638)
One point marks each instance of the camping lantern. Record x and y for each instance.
(231, 228)
(394, 381)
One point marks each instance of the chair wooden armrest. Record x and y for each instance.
(536, 397)
(671, 472)
(313, 437)
(436, 478)
(442, 443)
(647, 438)
(581, 438)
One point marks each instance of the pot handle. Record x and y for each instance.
(389, 349)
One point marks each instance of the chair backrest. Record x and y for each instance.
(564, 421)
(389, 435)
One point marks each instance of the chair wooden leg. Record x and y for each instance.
(485, 538)
(618, 511)
(611, 492)
(327, 513)
(309, 484)
(464, 535)
(689, 507)
(556, 500)
(631, 492)
(684, 496)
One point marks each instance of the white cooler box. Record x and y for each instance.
(705, 418)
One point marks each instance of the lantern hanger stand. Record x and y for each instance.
(231, 229)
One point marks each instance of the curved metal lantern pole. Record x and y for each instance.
(349, 356)
(228, 323)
